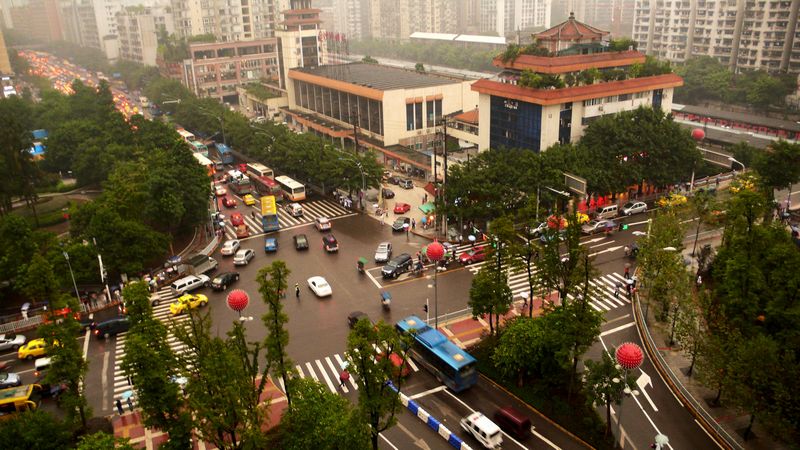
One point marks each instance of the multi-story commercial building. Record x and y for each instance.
(396, 111)
(227, 21)
(505, 17)
(37, 19)
(514, 113)
(105, 12)
(216, 69)
(742, 35)
(138, 28)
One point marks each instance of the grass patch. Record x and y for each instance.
(575, 416)
(49, 211)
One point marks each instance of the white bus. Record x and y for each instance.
(205, 162)
(259, 170)
(292, 190)
(187, 136)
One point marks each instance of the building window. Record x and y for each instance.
(413, 116)
(429, 113)
(591, 102)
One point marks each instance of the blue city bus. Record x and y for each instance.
(451, 365)
(224, 153)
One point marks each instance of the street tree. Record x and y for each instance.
(152, 367)
(336, 423)
(68, 366)
(378, 401)
(691, 326)
(605, 384)
(562, 273)
(521, 349)
(37, 429)
(490, 294)
(661, 261)
(581, 324)
(103, 441)
(272, 283)
(18, 172)
(38, 282)
(224, 384)
(778, 166)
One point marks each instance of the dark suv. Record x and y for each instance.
(397, 265)
(111, 327)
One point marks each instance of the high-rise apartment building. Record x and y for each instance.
(298, 38)
(506, 17)
(37, 19)
(397, 19)
(80, 23)
(226, 20)
(138, 28)
(5, 64)
(351, 17)
(742, 35)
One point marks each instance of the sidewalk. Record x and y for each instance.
(413, 197)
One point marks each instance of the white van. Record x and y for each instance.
(187, 284)
(483, 429)
(295, 209)
(606, 212)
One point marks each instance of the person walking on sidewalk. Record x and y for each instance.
(413, 223)
(119, 407)
(130, 404)
(297, 290)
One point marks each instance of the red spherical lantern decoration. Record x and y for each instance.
(435, 251)
(698, 134)
(238, 300)
(629, 355)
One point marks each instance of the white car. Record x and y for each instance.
(12, 341)
(631, 208)
(384, 252)
(482, 429)
(230, 247)
(243, 256)
(322, 223)
(320, 286)
(220, 191)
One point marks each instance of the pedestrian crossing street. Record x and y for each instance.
(326, 371)
(160, 312)
(311, 210)
(603, 298)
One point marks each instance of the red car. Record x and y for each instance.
(242, 231)
(237, 219)
(229, 202)
(477, 254)
(401, 208)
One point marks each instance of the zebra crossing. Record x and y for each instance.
(311, 210)
(122, 389)
(603, 298)
(327, 370)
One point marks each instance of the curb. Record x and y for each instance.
(435, 425)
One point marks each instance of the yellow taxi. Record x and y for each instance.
(33, 349)
(249, 200)
(187, 302)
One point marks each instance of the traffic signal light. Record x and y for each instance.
(425, 307)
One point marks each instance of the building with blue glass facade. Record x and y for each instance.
(537, 101)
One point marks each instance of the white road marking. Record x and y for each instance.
(614, 330)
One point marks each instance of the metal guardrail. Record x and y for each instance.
(712, 428)
(17, 325)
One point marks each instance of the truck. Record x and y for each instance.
(199, 264)
(269, 214)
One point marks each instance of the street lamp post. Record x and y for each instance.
(629, 356)
(733, 160)
(71, 274)
(435, 252)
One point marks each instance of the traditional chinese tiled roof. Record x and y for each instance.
(468, 117)
(572, 63)
(571, 30)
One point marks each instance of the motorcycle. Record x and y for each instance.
(386, 299)
(361, 263)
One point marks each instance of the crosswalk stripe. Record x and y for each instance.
(325, 375)
(300, 371)
(311, 371)
(333, 369)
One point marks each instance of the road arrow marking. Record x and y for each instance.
(643, 381)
